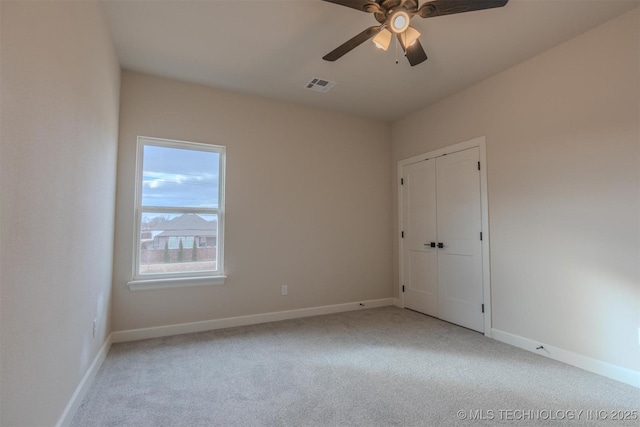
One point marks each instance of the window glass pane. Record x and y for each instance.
(178, 243)
(179, 177)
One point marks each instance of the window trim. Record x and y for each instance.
(182, 279)
(175, 282)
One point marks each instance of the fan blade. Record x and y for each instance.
(448, 7)
(414, 53)
(411, 5)
(390, 4)
(363, 5)
(356, 41)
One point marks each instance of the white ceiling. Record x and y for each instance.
(272, 48)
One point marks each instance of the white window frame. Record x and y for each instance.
(173, 280)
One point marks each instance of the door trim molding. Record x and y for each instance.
(479, 142)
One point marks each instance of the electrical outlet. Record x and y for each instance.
(285, 289)
(95, 327)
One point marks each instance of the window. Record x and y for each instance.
(179, 211)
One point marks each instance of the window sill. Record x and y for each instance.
(175, 282)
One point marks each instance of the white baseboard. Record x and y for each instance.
(229, 322)
(86, 382)
(397, 302)
(599, 367)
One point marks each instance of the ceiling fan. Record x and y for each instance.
(395, 16)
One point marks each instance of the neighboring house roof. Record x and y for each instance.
(187, 233)
(187, 225)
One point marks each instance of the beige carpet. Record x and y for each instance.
(377, 367)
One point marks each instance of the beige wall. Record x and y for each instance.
(59, 123)
(308, 198)
(563, 139)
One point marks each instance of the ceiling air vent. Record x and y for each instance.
(320, 85)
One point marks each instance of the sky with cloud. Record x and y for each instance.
(179, 177)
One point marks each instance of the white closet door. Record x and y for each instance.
(459, 224)
(419, 259)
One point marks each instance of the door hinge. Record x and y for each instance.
(478, 165)
(402, 234)
(401, 181)
(403, 289)
(483, 308)
(481, 235)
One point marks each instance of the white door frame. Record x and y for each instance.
(479, 142)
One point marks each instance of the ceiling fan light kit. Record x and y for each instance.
(394, 16)
(410, 36)
(398, 20)
(383, 39)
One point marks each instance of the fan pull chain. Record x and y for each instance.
(396, 50)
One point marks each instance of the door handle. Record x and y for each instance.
(441, 245)
(432, 244)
